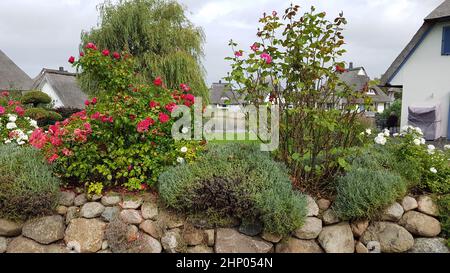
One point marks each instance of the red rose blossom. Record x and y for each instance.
(153, 104)
(5, 94)
(171, 107)
(116, 55)
(157, 81)
(105, 52)
(20, 111)
(87, 103)
(163, 118)
(71, 59)
(53, 158)
(2, 110)
(94, 101)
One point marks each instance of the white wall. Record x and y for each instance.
(47, 89)
(426, 77)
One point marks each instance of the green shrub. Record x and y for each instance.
(235, 180)
(35, 98)
(444, 215)
(43, 116)
(364, 193)
(27, 187)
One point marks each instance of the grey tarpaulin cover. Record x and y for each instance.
(426, 118)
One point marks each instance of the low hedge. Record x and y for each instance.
(235, 180)
(43, 116)
(27, 186)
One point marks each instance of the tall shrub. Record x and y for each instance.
(123, 137)
(295, 64)
(160, 37)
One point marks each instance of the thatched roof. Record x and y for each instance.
(65, 86)
(358, 80)
(221, 93)
(11, 76)
(441, 13)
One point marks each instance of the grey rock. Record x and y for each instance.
(312, 208)
(210, 235)
(324, 204)
(66, 198)
(310, 229)
(105, 245)
(172, 242)
(170, 219)
(427, 205)
(56, 249)
(337, 239)
(293, 245)
(45, 230)
(95, 197)
(25, 245)
(201, 249)
(420, 224)
(148, 244)
(231, 241)
(110, 213)
(9, 228)
(273, 238)
(392, 237)
(131, 202)
(330, 217)
(111, 200)
(409, 203)
(3, 244)
(374, 247)
(393, 213)
(152, 228)
(92, 210)
(251, 228)
(80, 200)
(429, 245)
(130, 216)
(72, 213)
(149, 211)
(61, 210)
(87, 233)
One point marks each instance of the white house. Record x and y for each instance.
(62, 87)
(223, 97)
(423, 71)
(357, 79)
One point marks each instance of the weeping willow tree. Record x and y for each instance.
(158, 34)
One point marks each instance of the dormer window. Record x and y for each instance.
(371, 92)
(446, 41)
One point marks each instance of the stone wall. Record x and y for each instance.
(79, 226)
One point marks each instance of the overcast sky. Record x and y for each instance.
(44, 33)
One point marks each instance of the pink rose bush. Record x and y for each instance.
(123, 136)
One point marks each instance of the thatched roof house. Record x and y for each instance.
(62, 87)
(12, 78)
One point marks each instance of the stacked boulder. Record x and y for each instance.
(81, 224)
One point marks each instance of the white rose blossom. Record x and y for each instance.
(184, 150)
(380, 139)
(11, 125)
(180, 160)
(417, 142)
(12, 118)
(368, 132)
(447, 147)
(386, 133)
(433, 170)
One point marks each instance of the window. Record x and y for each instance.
(371, 92)
(446, 41)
